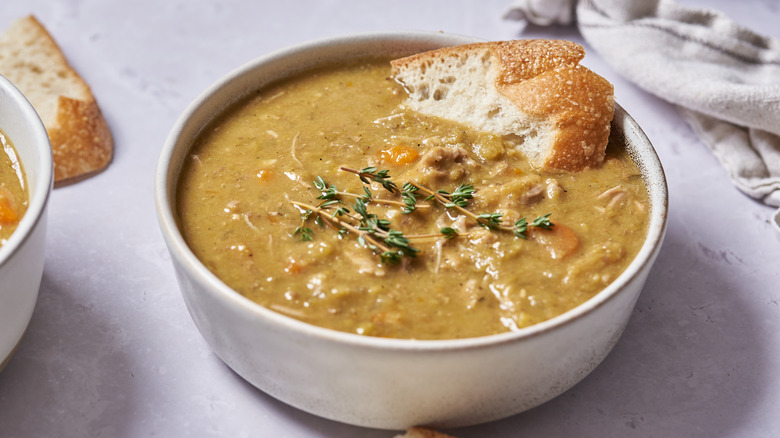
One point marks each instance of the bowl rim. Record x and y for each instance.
(166, 180)
(44, 180)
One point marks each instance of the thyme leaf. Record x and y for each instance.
(409, 197)
(490, 220)
(521, 228)
(305, 232)
(462, 194)
(543, 222)
(328, 193)
(368, 174)
(449, 232)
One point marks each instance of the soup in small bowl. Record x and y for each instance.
(25, 184)
(387, 269)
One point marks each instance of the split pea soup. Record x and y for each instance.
(322, 198)
(13, 191)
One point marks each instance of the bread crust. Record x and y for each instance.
(544, 84)
(80, 137)
(81, 142)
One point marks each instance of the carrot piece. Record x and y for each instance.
(8, 213)
(264, 175)
(293, 267)
(560, 241)
(399, 154)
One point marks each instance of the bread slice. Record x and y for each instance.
(533, 92)
(80, 138)
(421, 432)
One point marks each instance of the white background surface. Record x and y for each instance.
(112, 352)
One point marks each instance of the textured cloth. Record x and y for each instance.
(724, 78)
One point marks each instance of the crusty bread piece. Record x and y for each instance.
(534, 92)
(80, 138)
(421, 432)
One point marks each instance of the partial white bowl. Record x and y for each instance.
(393, 383)
(21, 258)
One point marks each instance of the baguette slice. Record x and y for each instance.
(533, 92)
(80, 138)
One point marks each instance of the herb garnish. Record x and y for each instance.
(459, 200)
(409, 197)
(306, 233)
(376, 234)
(543, 222)
(372, 232)
(368, 174)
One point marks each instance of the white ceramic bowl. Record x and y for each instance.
(21, 258)
(393, 383)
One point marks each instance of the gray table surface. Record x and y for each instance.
(112, 352)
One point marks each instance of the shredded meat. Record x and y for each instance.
(554, 189)
(515, 193)
(367, 263)
(616, 195)
(441, 164)
(438, 157)
(461, 223)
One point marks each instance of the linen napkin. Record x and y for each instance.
(724, 78)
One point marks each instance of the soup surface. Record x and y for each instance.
(274, 199)
(13, 192)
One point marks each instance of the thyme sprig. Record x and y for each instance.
(372, 232)
(328, 192)
(459, 200)
(331, 193)
(543, 222)
(306, 233)
(449, 232)
(409, 198)
(376, 233)
(369, 174)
